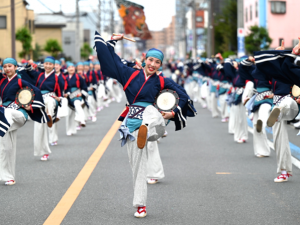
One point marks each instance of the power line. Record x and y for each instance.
(45, 6)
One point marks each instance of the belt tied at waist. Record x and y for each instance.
(136, 112)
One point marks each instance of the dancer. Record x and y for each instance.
(16, 117)
(140, 95)
(77, 95)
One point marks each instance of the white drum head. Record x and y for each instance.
(166, 101)
(25, 96)
(295, 91)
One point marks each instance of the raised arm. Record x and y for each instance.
(111, 64)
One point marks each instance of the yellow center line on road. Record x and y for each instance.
(222, 173)
(66, 202)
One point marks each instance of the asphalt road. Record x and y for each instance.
(209, 179)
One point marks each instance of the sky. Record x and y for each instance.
(158, 12)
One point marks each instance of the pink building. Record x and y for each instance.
(278, 16)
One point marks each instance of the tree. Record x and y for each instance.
(226, 28)
(23, 35)
(53, 47)
(86, 51)
(257, 40)
(37, 52)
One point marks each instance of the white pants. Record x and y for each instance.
(138, 160)
(92, 105)
(63, 109)
(40, 137)
(53, 137)
(215, 112)
(260, 140)
(8, 144)
(101, 95)
(240, 124)
(155, 167)
(74, 117)
(248, 92)
(289, 110)
(232, 115)
(208, 97)
(223, 106)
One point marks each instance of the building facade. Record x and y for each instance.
(164, 40)
(49, 26)
(23, 18)
(278, 17)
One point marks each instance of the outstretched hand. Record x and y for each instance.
(117, 37)
(251, 59)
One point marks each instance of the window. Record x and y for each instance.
(29, 26)
(256, 9)
(67, 40)
(250, 12)
(246, 15)
(278, 7)
(280, 41)
(199, 19)
(2, 22)
(33, 26)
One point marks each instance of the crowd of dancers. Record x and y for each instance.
(262, 88)
(258, 87)
(60, 90)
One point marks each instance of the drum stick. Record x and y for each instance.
(129, 39)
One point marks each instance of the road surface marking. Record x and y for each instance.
(66, 202)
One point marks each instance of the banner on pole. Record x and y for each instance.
(134, 19)
(241, 42)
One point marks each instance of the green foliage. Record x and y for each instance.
(53, 47)
(226, 28)
(86, 51)
(257, 40)
(23, 35)
(37, 52)
(203, 55)
(227, 54)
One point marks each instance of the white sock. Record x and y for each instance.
(283, 172)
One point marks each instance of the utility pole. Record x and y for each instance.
(13, 28)
(99, 17)
(77, 42)
(208, 50)
(194, 29)
(240, 11)
(210, 30)
(112, 17)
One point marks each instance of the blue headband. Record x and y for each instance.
(57, 62)
(153, 52)
(62, 59)
(69, 64)
(49, 59)
(86, 63)
(11, 61)
(79, 64)
(96, 63)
